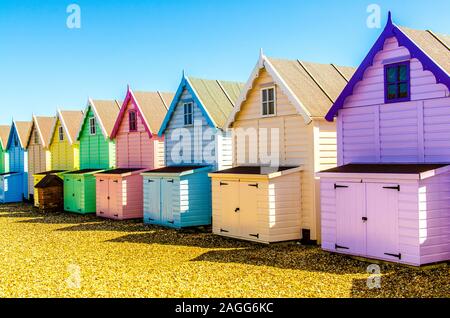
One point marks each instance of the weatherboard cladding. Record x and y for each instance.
(4, 134)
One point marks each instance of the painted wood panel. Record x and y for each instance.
(64, 155)
(39, 159)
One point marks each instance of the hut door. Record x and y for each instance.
(69, 195)
(382, 220)
(153, 196)
(113, 201)
(77, 191)
(167, 193)
(230, 210)
(248, 216)
(102, 196)
(350, 211)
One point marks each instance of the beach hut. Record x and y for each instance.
(389, 197)
(138, 148)
(39, 158)
(97, 152)
(4, 162)
(280, 140)
(64, 148)
(14, 184)
(179, 195)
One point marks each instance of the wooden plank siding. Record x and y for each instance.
(39, 159)
(414, 131)
(312, 146)
(64, 155)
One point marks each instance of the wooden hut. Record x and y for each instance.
(138, 148)
(4, 162)
(280, 140)
(39, 158)
(389, 197)
(97, 153)
(180, 195)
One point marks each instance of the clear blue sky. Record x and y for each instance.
(44, 65)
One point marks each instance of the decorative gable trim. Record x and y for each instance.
(391, 30)
(130, 97)
(263, 62)
(91, 104)
(185, 84)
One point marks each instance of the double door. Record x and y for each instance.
(161, 193)
(239, 209)
(108, 197)
(367, 219)
(73, 187)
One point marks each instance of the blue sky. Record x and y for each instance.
(44, 65)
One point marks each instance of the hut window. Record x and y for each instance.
(133, 121)
(36, 138)
(188, 114)
(397, 82)
(92, 126)
(16, 141)
(61, 133)
(268, 101)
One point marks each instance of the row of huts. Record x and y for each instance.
(355, 159)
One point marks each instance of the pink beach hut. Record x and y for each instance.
(389, 199)
(119, 191)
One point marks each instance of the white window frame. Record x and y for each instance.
(274, 101)
(37, 139)
(92, 126)
(191, 113)
(61, 133)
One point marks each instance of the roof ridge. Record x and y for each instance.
(315, 81)
(339, 72)
(434, 35)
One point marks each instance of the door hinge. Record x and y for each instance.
(254, 235)
(223, 231)
(340, 247)
(171, 222)
(116, 181)
(150, 219)
(150, 181)
(171, 180)
(253, 185)
(339, 186)
(393, 188)
(101, 180)
(79, 180)
(102, 212)
(223, 183)
(116, 215)
(399, 255)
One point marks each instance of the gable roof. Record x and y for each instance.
(215, 98)
(105, 111)
(23, 129)
(70, 121)
(310, 87)
(430, 48)
(44, 127)
(4, 134)
(152, 106)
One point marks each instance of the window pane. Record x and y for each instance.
(392, 92)
(403, 90)
(391, 74)
(264, 108)
(271, 94)
(271, 108)
(264, 95)
(402, 73)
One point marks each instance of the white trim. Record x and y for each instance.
(90, 126)
(261, 89)
(192, 114)
(263, 62)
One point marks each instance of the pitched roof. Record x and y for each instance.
(4, 135)
(70, 121)
(44, 127)
(216, 99)
(152, 105)
(106, 112)
(23, 131)
(431, 49)
(435, 45)
(311, 87)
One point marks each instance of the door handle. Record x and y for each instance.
(108, 198)
(73, 194)
(364, 219)
(237, 210)
(393, 188)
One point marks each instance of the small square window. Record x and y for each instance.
(61, 133)
(92, 126)
(188, 114)
(397, 82)
(132, 120)
(268, 101)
